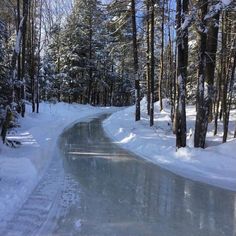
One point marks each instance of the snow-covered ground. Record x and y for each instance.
(21, 168)
(215, 165)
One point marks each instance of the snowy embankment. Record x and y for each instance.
(215, 165)
(22, 167)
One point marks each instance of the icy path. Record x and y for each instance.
(22, 168)
(95, 188)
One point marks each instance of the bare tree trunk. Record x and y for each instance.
(39, 49)
(171, 78)
(162, 56)
(222, 73)
(32, 58)
(148, 56)
(182, 62)
(212, 39)
(24, 32)
(217, 105)
(135, 55)
(6, 123)
(235, 131)
(17, 89)
(175, 91)
(202, 110)
(225, 73)
(152, 63)
(231, 80)
(111, 87)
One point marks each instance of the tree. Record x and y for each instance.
(152, 61)
(135, 53)
(26, 4)
(202, 111)
(162, 54)
(182, 19)
(211, 49)
(148, 55)
(229, 77)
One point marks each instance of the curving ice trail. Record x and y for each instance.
(94, 188)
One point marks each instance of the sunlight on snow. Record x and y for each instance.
(128, 138)
(24, 138)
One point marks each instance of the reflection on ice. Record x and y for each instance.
(97, 155)
(104, 155)
(122, 195)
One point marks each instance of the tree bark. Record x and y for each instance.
(171, 78)
(90, 57)
(135, 55)
(148, 55)
(32, 56)
(212, 39)
(39, 49)
(182, 62)
(17, 89)
(23, 61)
(152, 63)
(231, 79)
(202, 108)
(162, 57)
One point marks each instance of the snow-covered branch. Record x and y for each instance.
(220, 6)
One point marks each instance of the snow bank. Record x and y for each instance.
(215, 165)
(22, 167)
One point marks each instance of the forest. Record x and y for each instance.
(117, 52)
